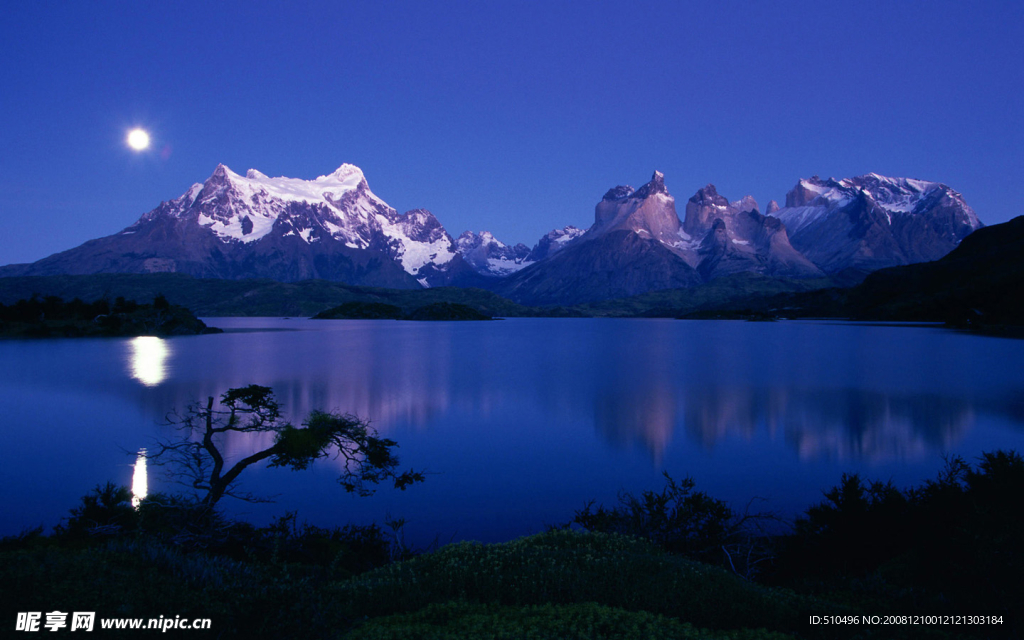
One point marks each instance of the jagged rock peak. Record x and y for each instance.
(746, 203)
(656, 185)
(708, 195)
(772, 207)
(618, 193)
(222, 171)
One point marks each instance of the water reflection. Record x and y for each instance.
(140, 480)
(835, 424)
(148, 361)
(523, 419)
(653, 389)
(816, 424)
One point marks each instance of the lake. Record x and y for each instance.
(520, 422)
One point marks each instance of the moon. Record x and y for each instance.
(138, 139)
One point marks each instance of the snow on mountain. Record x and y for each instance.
(554, 241)
(490, 256)
(339, 205)
(334, 227)
(232, 226)
(638, 243)
(873, 221)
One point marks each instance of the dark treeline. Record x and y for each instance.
(53, 308)
(51, 316)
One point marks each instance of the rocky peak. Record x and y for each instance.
(656, 185)
(746, 203)
(702, 209)
(421, 218)
(489, 256)
(708, 195)
(872, 221)
(804, 192)
(618, 193)
(553, 242)
(648, 216)
(772, 207)
(220, 177)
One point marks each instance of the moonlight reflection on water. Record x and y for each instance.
(148, 359)
(140, 480)
(520, 422)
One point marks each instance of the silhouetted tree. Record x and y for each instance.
(197, 457)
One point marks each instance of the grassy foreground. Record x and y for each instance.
(949, 548)
(560, 584)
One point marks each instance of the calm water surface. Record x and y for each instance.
(522, 421)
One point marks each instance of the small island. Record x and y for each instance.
(361, 311)
(382, 311)
(52, 317)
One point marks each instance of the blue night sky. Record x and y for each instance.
(513, 117)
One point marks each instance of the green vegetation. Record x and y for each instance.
(978, 286)
(685, 522)
(381, 311)
(725, 292)
(51, 317)
(565, 567)
(952, 543)
(210, 297)
(869, 548)
(447, 311)
(361, 311)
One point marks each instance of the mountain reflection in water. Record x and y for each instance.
(818, 423)
(633, 396)
(522, 420)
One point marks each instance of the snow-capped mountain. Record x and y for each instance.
(630, 248)
(871, 221)
(553, 242)
(490, 256)
(233, 226)
(334, 227)
(735, 237)
(638, 243)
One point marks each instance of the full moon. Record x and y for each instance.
(138, 139)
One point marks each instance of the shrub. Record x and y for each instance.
(952, 544)
(691, 523)
(677, 518)
(106, 510)
(566, 567)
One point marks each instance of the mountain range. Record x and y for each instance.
(335, 228)
(979, 285)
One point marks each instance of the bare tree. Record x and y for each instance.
(197, 458)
